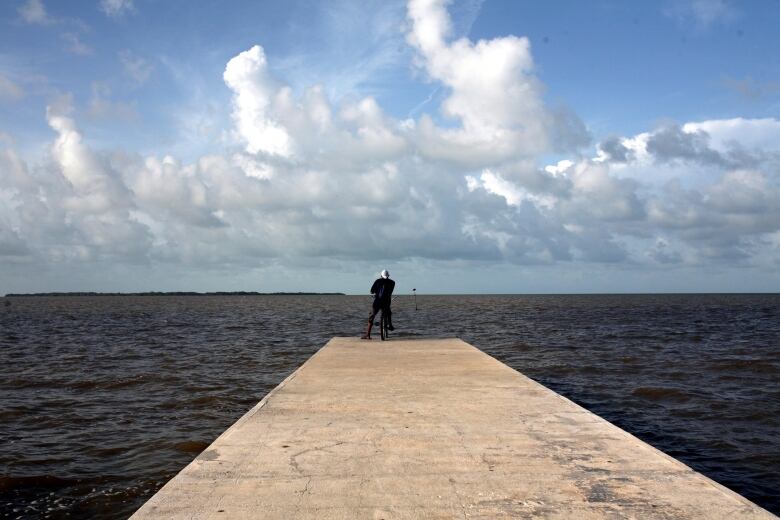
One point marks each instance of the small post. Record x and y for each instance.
(414, 291)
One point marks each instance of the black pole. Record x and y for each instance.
(414, 291)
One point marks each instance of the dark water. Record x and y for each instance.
(106, 398)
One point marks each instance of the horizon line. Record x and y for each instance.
(335, 293)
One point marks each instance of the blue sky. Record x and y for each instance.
(494, 146)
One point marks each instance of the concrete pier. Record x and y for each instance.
(431, 429)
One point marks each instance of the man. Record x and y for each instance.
(383, 293)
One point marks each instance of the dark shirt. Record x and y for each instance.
(383, 290)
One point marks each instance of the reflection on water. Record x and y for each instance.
(106, 398)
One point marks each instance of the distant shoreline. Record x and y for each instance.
(176, 293)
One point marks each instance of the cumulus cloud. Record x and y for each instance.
(74, 208)
(255, 92)
(673, 143)
(492, 91)
(678, 194)
(95, 188)
(614, 149)
(683, 150)
(754, 134)
(307, 177)
(494, 99)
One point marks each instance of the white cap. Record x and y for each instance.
(384, 274)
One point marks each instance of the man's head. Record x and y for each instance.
(384, 274)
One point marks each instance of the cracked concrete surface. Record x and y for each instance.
(431, 429)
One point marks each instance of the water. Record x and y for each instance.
(106, 398)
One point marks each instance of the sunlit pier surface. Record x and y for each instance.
(431, 428)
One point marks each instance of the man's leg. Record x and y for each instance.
(374, 310)
(367, 335)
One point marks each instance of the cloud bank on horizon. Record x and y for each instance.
(491, 174)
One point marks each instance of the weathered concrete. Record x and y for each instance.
(431, 429)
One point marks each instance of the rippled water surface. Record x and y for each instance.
(106, 398)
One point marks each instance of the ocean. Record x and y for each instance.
(105, 398)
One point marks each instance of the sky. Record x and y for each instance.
(466, 146)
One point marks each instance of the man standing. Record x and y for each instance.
(383, 293)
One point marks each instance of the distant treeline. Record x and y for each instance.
(179, 293)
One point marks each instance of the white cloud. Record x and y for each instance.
(116, 8)
(560, 168)
(34, 12)
(96, 189)
(501, 114)
(514, 193)
(247, 76)
(492, 90)
(73, 208)
(757, 134)
(309, 179)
